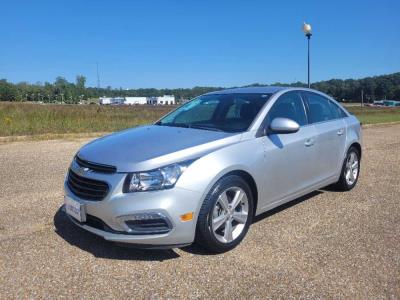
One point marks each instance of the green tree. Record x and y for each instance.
(8, 91)
(61, 90)
(80, 86)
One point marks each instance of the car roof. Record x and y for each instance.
(252, 90)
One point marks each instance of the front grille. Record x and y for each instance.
(85, 188)
(100, 168)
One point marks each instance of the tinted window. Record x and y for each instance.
(319, 108)
(195, 113)
(222, 112)
(236, 108)
(337, 111)
(290, 106)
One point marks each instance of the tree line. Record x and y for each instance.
(61, 90)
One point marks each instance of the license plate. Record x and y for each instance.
(74, 209)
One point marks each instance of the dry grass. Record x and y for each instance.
(36, 119)
(373, 115)
(27, 119)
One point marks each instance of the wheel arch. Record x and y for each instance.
(250, 181)
(356, 145)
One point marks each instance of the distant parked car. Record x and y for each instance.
(202, 172)
(378, 103)
(387, 103)
(391, 103)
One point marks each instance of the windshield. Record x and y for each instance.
(219, 112)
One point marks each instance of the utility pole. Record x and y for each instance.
(98, 79)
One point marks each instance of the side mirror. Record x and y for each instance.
(283, 125)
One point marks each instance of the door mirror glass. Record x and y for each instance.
(283, 125)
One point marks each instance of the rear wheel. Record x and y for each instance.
(225, 215)
(350, 170)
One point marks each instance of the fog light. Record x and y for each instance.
(145, 223)
(187, 217)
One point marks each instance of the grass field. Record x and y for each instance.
(373, 115)
(34, 119)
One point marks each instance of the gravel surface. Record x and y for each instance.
(325, 245)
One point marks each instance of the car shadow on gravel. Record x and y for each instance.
(286, 206)
(195, 249)
(101, 248)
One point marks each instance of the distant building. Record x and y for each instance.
(117, 100)
(164, 100)
(111, 100)
(135, 100)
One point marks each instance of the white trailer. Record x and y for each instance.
(105, 100)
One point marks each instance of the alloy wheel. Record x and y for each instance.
(230, 214)
(351, 170)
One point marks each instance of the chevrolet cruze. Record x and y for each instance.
(202, 172)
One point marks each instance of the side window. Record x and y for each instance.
(338, 112)
(319, 109)
(290, 106)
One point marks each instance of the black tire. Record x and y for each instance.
(204, 233)
(343, 184)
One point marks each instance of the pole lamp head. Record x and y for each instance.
(307, 30)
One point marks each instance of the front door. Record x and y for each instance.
(289, 158)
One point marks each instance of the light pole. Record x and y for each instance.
(307, 32)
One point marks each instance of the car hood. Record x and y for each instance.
(150, 147)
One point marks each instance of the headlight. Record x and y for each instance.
(162, 178)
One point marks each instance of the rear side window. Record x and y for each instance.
(319, 108)
(337, 111)
(290, 106)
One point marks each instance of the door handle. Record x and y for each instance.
(340, 131)
(309, 142)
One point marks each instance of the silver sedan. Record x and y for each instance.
(202, 172)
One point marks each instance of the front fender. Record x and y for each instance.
(202, 174)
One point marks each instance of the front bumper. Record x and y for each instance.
(171, 203)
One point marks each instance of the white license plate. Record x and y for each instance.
(74, 209)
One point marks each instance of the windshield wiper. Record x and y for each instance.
(205, 127)
(195, 126)
(173, 125)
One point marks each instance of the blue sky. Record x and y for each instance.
(169, 44)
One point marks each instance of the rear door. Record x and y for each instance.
(331, 131)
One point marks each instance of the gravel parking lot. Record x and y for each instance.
(327, 244)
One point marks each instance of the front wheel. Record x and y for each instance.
(225, 215)
(350, 170)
